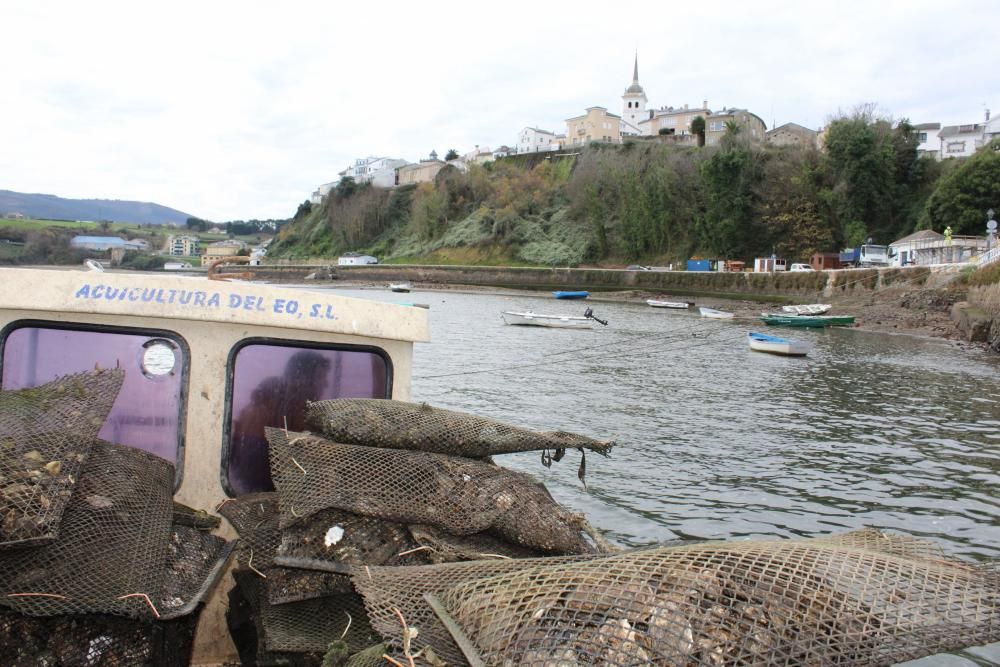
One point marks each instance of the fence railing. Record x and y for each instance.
(988, 257)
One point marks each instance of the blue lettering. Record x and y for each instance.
(111, 294)
(133, 294)
(173, 293)
(292, 307)
(148, 294)
(234, 300)
(330, 315)
(248, 302)
(83, 292)
(314, 310)
(199, 298)
(97, 292)
(279, 305)
(214, 300)
(159, 296)
(185, 297)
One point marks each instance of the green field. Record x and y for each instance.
(116, 228)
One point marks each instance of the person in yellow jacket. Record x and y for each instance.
(947, 235)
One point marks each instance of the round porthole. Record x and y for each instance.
(158, 357)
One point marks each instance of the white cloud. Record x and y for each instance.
(226, 110)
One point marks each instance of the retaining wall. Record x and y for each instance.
(735, 285)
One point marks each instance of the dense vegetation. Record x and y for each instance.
(653, 203)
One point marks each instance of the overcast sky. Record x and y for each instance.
(229, 111)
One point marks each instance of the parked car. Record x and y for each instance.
(801, 267)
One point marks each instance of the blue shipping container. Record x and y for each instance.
(699, 265)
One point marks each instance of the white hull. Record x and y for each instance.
(809, 309)
(715, 314)
(786, 348)
(677, 305)
(399, 287)
(557, 321)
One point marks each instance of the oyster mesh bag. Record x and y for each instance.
(462, 496)
(442, 547)
(111, 553)
(333, 540)
(756, 602)
(255, 518)
(378, 422)
(94, 640)
(45, 436)
(195, 562)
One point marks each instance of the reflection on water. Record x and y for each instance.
(716, 441)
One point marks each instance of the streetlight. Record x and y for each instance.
(991, 228)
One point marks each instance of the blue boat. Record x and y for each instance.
(774, 345)
(570, 295)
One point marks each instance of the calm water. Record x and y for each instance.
(716, 441)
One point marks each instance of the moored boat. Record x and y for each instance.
(774, 345)
(529, 318)
(807, 309)
(813, 321)
(399, 287)
(676, 305)
(715, 314)
(560, 294)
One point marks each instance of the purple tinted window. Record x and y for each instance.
(270, 387)
(147, 413)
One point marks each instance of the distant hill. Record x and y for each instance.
(50, 207)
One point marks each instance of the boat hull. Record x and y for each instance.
(714, 314)
(811, 321)
(675, 305)
(570, 295)
(552, 321)
(808, 309)
(774, 345)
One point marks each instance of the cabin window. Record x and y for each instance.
(269, 384)
(149, 411)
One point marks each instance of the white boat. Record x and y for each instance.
(529, 318)
(678, 305)
(715, 314)
(399, 287)
(774, 345)
(807, 309)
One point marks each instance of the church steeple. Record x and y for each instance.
(633, 104)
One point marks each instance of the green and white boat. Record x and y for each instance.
(815, 321)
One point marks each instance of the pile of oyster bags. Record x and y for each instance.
(393, 533)
(98, 565)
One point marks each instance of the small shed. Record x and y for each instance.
(769, 264)
(821, 261)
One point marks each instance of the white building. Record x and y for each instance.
(320, 193)
(534, 140)
(928, 247)
(379, 171)
(991, 130)
(960, 140)
(928, 142)
(633, 105)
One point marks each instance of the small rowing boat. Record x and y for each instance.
(715, 314)
(677, 305)
(529, 318)
(807, 309)
(570, 295)
(774, 345)
(814, 321)
(399, 287)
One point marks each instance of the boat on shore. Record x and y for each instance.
(714, 314)
(560, 294)
(773, 345)
(529, 318)
(675, 305)
(399, 287)
(812, 321)
(807, 309)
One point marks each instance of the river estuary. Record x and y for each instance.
(716, 441)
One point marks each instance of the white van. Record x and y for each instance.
(801, 267)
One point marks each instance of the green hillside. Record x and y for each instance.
(651, 203)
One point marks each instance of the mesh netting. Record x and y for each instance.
(286, 585)
(188, 516)
(333, 540)
(309, 625)
(255, 519)
(195, 561)
(442, 547)
(462, 496)
(243, 617)
(386, 589)
(45, 436)
(762, 603)
(112, 546)
(376, 422)
(94, 640)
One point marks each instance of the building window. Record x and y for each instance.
(270, 383)
(149, 411)
(956, 146)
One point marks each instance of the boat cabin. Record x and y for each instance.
(207, 365)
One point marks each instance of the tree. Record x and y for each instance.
(452, 154)
(962, 198)
(197, 224)
(698, 129)
(104, 225)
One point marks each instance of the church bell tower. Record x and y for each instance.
(633, 104)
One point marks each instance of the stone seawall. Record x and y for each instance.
(980, 319)
(796, 285)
